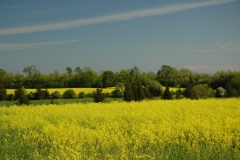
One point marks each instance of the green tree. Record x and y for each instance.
(203, 91)
(39, 94)
(120, 77)
(108, 79)
(167, 94)
(189, 92)
(81, 95)
(117, 93)
(147, 93)
(3, 93)
(55, 95)
(155, 88)
(30, 71)
(139, 92)
(70, 93)
(2, 75)
(178, 93)
(167, 76)
(21, 96)
(128, 91)
(69, 71)
(98, 96)
(88, 78)
(183, 77)
(134, 73)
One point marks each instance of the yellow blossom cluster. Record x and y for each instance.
(62, 90)
(157, 129)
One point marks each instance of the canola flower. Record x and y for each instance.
(62, 90)
(77, 90)
(158, 129)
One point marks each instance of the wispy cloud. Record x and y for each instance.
(229, 46)
(111, 18)
(214, 68)
(26, 6)
(8, 46)
(204, 51)
(219, 47)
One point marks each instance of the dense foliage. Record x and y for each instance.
(196, 84)
(70, 93)
(98, 96)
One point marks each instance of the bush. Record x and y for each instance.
(155, 88)
(55, 95)
(21, 96)
(3, 93)
(98, 96)
(81, 95)
(221, 92)
(189, 92)
(117, 93)
(167, 94)
(38, 94)
(46, 94)
(203, 91)
(69, 94)
(89, 95)
(31, 96)
(179, 92)
(10, 97)
(107, 94)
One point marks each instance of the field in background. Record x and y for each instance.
(77, 90)
(176, 129)
(62, 90)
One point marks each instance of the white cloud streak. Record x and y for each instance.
(27, 6)
(229, 46)
(213, 68)
(8, 46)
(204, 51)
(111, 18)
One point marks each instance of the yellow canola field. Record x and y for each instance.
(62, 90)
(77, 90)
(158, 129)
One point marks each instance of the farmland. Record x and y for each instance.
(62, 90)
(157, 129)
(77, 90)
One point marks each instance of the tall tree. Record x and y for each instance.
(30, 71)
(167, 76)
(69, 71)
(21, 96)
(134, 72)
(128, 91)
(3, 93)
(108, 79)
(139, 92)
(98, 96)
(167, 94)
(189, 92)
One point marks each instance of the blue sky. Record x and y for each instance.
(202, 35)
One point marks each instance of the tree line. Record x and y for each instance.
(134, 84)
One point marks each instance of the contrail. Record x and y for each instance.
(7, 46)
(110, 18)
